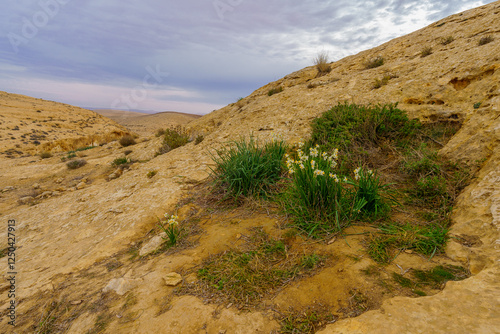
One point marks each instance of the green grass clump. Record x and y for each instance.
(306, 321)
(440, 274)
(245, 168)
(477, 105)
(357, 129)
(173, 138)
(75, 164)
(426, 240)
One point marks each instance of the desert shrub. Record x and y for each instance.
(127, 140)
(426, 52)
(321, 63)
(245, 168)
(381, 82)
(45, 155)
(374, 62)
(485, 40)
(74, 164)
(173, 138)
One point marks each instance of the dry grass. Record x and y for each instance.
(321, 62)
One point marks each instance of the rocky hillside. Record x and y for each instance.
(87, 259)
(29, 125)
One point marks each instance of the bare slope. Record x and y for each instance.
(30, 125)
(79, 236)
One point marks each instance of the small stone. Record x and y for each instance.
(80, 185)
(332, 241)
(408, 251)
(36, 186)
(26, 200)
(45, 194)
(119, 285)
(9, 188)
(59, 180)
(76, 302)
(172, 279)
(151, 245)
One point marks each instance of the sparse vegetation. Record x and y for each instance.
(199, 139)
(485, 40)
(477, 105)
(321, 63)
(374, 62)
(447, 40)
(120, 161)
(75, 164)
(171, 229)
(151, 173)
(275, 90)
(127, 140)
(426, 52)
(306, 321)
(243, 168)
(173, 138)
(381, 82)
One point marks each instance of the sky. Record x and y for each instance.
(191, 56)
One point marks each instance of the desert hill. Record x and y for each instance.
(30, 125)
(147, 124)
(90, 258)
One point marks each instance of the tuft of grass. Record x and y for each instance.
(440, 274)
(447, 40)
(374, 62)
(310, 261)
(173, 138)
(477, 105)
(321, 63)
(172, 230)
(75, 164)
(199, 139)
(127, 140)
(151, 173)
(275, 90)
(426, 52)
(120, 162)
(403, 281)
(381, 82)
(485, 40)
(427, 240)
(244, 168)
(45, 155)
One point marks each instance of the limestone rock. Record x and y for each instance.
(120, 285)
(8, 188)
(80, 185)
(172, 279)
(26, 200)
(153, 244)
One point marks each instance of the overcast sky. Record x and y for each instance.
(189, 56)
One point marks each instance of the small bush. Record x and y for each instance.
(381, 82)
(45, 155)
(276, 90)
(485, 40)
(447, 40)
(321, 62)
(477, 105)
(426, 52)
(375, 62)
(120, 161)
(174, 138)
(244, 168)
(74, 164)
(160, 132)
(127, 140)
